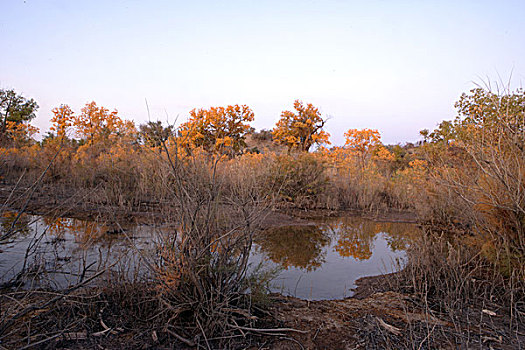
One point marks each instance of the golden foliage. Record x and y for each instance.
(361, 143)
(382, 154)
(302, 129)
(218, 129)
(98, 125)
(20, 134)
(62, 119)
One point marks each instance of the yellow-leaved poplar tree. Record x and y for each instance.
(97, 124)
(301, 129)
(218, 129)
(362, 143)
(62, 119)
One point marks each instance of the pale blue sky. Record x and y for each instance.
(397, 66)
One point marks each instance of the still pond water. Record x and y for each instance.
(314, 262)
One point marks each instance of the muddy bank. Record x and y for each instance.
(86, 205)
(80, 204)
(386, 215)
(387, 320)
(371, 322)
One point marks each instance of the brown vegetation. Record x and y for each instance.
(466, 184)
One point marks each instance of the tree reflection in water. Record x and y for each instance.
(295, 246)
(355, 236)
(20, 229)
(303, 246)
(85, 232)
(354, 241)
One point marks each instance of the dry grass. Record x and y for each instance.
(455, 283)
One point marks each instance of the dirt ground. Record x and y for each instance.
(348, 323)
(373, 319)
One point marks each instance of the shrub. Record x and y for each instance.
(300, 179)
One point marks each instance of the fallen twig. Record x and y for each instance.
(268, 330)
(389, 327)
(181, 338)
